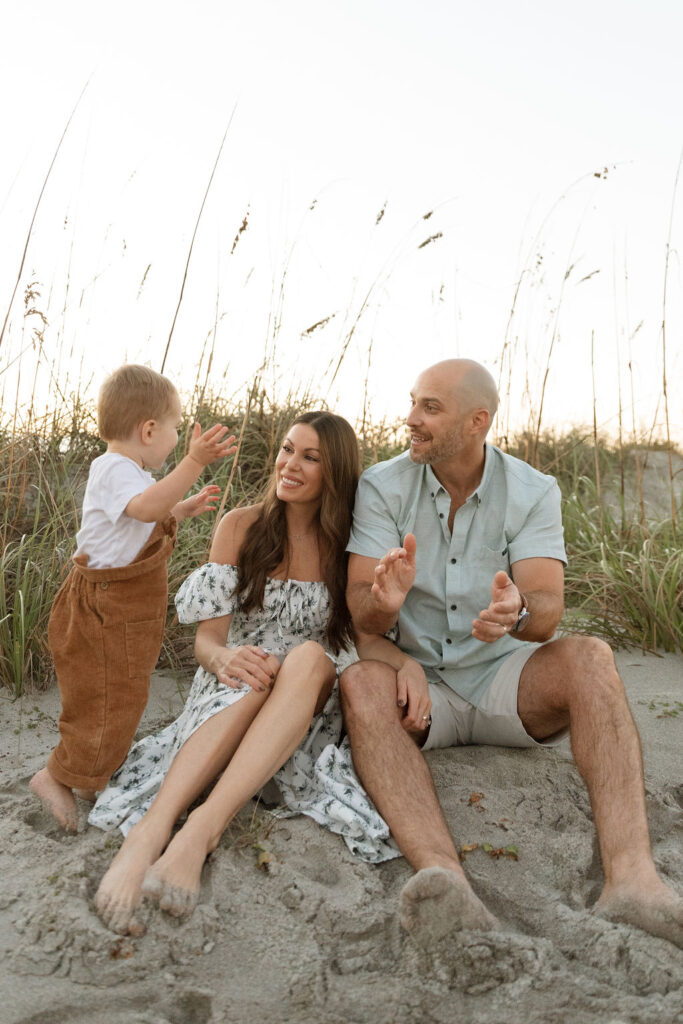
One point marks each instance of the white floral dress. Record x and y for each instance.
(319, 779)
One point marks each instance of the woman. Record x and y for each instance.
(274, 632)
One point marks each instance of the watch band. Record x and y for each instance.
(523, 617)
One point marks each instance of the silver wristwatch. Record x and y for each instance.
(523, 617)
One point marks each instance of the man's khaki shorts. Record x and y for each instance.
(456, 722)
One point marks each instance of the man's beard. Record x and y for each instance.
(447, 446)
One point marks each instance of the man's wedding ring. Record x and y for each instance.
(427, 719)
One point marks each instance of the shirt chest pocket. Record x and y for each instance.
(489, 561)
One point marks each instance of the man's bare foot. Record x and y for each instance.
(56, 798)
(173, 881)
(437, 901)
(655, 909)
(120, 892)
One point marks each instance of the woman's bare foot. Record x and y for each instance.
(173, 881)
(56, 798)
(655, 908)
(437, 901)
(120, 891)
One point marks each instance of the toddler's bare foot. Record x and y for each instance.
(437, 901)
(56, 798)
(655, 908)
(120, 891)
(173, 882)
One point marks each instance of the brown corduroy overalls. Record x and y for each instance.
(105, 632)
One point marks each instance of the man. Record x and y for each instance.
(439, 532)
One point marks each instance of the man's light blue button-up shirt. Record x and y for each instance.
(513, 514)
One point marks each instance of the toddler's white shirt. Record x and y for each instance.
(107, 535)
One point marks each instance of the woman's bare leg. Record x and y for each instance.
(302, 687)
(196, 764)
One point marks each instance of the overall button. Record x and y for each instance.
(104, 586)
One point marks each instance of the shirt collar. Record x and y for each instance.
(434, 485)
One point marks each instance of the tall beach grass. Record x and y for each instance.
(624, 582)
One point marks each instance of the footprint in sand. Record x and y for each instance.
(478, 962)
(316, 867)
(643, 963)
(41, 821)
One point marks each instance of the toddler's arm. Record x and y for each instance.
(159, 499)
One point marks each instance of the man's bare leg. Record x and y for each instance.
(196, 764)
(574, 681)
(438, 899)
(302, 687)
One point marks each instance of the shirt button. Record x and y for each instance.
(453, 561)
(432, 494)
(440, 515)
(453, 607)
(448, 640)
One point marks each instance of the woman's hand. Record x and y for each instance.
(413, 694)
(234, 666)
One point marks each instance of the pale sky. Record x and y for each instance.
(487, 114)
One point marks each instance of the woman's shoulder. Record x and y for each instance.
(231, 532)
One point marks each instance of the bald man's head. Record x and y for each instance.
(453, 404)
(471, 384)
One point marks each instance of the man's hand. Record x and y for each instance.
(412, 693)
(211, 445)
(394, 576)
(502, 613)
(197, 504)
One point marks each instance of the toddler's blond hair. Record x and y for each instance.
(130, 396)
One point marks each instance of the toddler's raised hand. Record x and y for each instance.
(197, 504)
(211, 445)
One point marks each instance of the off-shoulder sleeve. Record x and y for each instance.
(207, 593)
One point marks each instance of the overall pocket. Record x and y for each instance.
(143, 645)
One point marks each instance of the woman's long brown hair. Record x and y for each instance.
(265, 545)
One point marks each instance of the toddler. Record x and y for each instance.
(107, 621)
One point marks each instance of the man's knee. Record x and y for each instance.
(366, 687)
(590, 667)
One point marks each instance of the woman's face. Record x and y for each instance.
(298, 472)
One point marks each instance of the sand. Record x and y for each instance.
(315, 938)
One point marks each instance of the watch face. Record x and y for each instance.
(524, 617)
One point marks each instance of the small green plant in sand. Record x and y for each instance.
(251, 829)
(664, 708)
